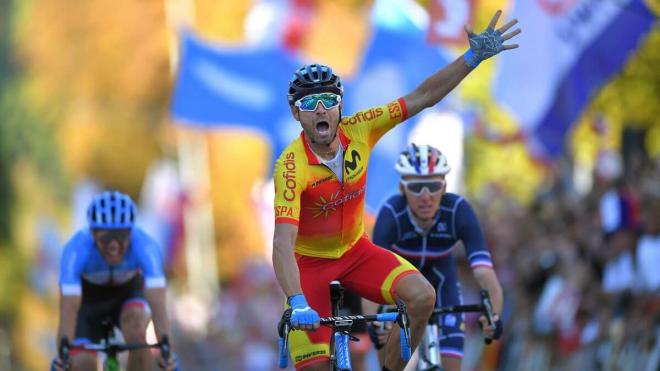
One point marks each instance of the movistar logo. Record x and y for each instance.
(352, 164)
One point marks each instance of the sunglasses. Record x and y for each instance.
(416, 187)
(310, 102)
(109, 235)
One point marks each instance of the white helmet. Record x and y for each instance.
(422, 160)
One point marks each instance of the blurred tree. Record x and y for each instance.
(7, 77)
(108, 91)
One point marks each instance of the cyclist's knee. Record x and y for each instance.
(84, 361)
(133, 324)
(417, 293)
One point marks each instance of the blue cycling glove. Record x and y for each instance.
(301, 313)
(483, 46)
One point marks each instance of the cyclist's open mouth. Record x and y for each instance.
(323, 127)
(113, 251)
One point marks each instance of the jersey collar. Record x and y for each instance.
(312, 159)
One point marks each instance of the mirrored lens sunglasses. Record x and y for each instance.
(310, 102)
(416, 187)
(110, 235)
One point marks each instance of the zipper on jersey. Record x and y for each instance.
(424, 243)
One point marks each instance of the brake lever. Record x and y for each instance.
(488, 311)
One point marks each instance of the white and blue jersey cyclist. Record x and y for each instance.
(424, 224)
(111, 270)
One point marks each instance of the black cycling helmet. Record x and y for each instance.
(311, 79)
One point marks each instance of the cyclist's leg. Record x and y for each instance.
(419, 297)
(134, 318)
(83, 360)
(382, 276)
(88, 330)
(452, 324)
(310, 350)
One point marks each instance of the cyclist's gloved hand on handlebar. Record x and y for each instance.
(302, 316)
(494, 331)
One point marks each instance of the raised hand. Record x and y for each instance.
(489, 42)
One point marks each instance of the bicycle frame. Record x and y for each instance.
(429, 350)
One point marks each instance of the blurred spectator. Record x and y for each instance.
(648, 250)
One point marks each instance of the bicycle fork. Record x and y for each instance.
(429, 355)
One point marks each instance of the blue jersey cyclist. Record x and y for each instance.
(112, 270)
(424, 224)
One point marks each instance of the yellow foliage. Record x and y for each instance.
(238, 159)
(221, 20)
(36, 326)
(96, 50)
(337, 36)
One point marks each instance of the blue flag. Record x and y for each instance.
(228, 86)
(569, 50)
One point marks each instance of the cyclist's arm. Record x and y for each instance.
(488, 281)
(157, 299)
(284, 260)
(385, 229)
(74, 254)
(470, 233)
(436, 86)
(69, 306)
(151, 262)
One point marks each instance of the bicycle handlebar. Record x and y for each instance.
(65, 347)
(400, 316)
(485, 307)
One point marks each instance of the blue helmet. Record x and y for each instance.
(111, 210)
(312, 79)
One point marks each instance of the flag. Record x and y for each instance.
(219, 86)
(568, 50)
(448, 18)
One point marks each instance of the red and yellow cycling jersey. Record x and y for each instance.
(329, 213)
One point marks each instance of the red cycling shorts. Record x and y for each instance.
(366, 269)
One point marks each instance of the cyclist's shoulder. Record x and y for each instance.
(452, 200)
(141, 239)
(395, 204)
(81, 239)
(294, 152)
(388, 110)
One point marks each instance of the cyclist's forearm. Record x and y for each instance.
(69, 306)
(487, 280)
(286, 270)
(436, 86)
(157, 298)
(284, 260)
